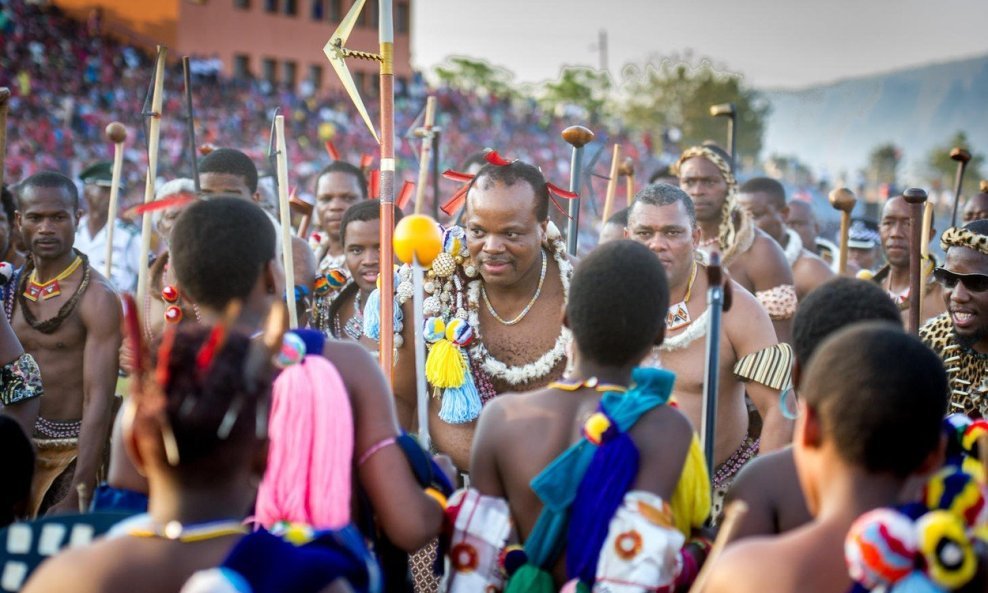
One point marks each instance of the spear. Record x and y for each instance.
(577, 137)
(117, 134)
(154, 130)
(191, 123)
(337, 55)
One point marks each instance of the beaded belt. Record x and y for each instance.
(57, 429)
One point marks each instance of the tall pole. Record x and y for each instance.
(577, 137)
(915, 197)
(154, 131)
(286, 221)
(715, 302)
(117, 134)
(729, 111)
(611, 185)
(602, 48)
(386, 38)
(425, 156)
(191, 123)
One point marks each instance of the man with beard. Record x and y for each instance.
(67, 316)
(764, 199)
(91, 237)
(895, 230)
(802, 220)
(662, 218)
(755, 261)
(960, 335)
(496, 293)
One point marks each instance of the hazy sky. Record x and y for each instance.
(773, 43)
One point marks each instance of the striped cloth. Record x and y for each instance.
(770, 366)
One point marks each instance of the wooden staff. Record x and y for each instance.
(4, 107)
(191, 123)
(729, 111)
(915, 197)
(627, 171)
(732, 517)
(962, 157)
(154, 130)
(925, 249)
(286, 221)
(117, 134)
(611, 186)
(425, 132)
(303, 208)
(577, 137)
(843, 199)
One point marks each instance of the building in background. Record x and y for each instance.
(277, 40)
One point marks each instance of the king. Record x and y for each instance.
(493, 308)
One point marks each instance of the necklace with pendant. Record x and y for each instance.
(678, 315)
(47, 290)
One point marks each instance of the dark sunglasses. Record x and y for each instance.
(972, 282)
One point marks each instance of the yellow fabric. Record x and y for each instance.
(691, 500)
(444, 367)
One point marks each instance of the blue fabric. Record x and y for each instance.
(461, 404)
(108, 498)
(314, 340)
(272, 565)
(610, 475)
(557, 484)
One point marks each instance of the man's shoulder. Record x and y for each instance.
(82, 569)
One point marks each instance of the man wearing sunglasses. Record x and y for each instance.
(960, 335)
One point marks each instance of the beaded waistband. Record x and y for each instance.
(57, 429)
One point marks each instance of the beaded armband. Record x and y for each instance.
(20, 380)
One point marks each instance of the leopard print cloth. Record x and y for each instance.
(779, 302)
(967, 370)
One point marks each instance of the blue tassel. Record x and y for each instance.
(372, 316)
(611, 474)
(461, 404)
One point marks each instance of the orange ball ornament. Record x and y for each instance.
(419, 236)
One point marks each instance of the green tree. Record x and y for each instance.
(883, 164)
(583, 88)
(941, 169)
(678, 92)
(477, 76)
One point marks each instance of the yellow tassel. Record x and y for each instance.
(444, 366)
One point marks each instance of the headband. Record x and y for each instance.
(713, 157)
(962, 237)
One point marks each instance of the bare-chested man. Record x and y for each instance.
(509, 285)
(662, 218)
(765, 201)
(803, 220)
(616, 313)
(755, 261)
(68, 317)
(848, 393)
(769, 484)
(976, 207)
(896, 234)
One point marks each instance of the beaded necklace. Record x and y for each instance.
(49, 326)
(187, 534)
(49, 289)
(591, 383)
(678, 315)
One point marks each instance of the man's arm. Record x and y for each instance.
(25, 411)
(403, 379)
(406, 513)
(101, 314)
(750, 330)
(767, 268)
